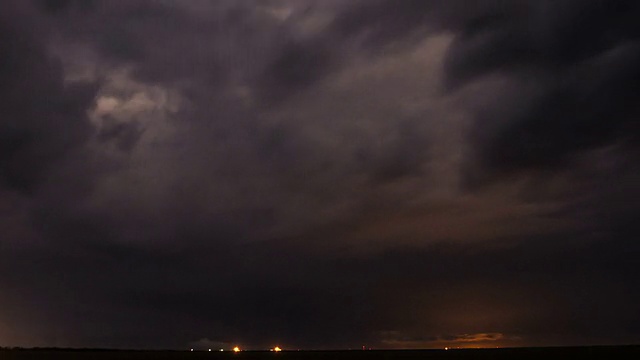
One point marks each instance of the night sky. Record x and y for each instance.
(319, 174)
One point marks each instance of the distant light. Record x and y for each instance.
(446, 348)
(191, 349)
(277, 348)
(236, 349)
(221, 349)
(209, 349)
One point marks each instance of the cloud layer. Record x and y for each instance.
(318, 174)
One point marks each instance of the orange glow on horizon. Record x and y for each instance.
(277, 348)
(236, 349)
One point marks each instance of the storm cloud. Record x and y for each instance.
(318, 174)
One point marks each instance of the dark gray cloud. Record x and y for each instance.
(297, 66)
(578, 57)
(42, 117)
(318, 174)
(125, 135)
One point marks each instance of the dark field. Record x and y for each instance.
(578, 353)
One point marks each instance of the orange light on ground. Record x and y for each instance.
(236, 349)
(277, 348)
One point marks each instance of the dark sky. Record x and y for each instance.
(319, 174)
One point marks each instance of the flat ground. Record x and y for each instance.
(578, 353)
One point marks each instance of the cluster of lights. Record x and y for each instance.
(237, 349)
